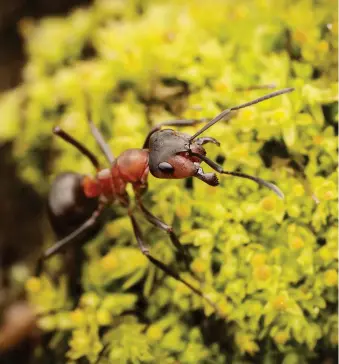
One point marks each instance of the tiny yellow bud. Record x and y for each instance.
(318, 139)
(281, 337)
(154, 333)
(109, 262)
(199, 265)
(298, 190)
(250, 347)
(33, 284)
(275, 253)
(292, 228)
(258, 259)
(331, 277)
(329, 195)
(104, 317)
(300, 36)
(323, 46)
(280, 303)
(325, 254)
(268, 203)
(78, 317)
(90, 299)
(296, 243)
(80, 340)
(224, 308)
(262, 273)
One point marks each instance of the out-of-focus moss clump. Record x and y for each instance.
(270, 265)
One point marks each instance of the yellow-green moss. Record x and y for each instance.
(142, 62)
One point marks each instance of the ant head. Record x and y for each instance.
(169, 155)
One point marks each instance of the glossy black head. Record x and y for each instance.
(170, 154)
(68, 207)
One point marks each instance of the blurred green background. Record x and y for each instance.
(269, 265)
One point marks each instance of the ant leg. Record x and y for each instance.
(183, 122)
(163, 267)
(168, 229)
(69, 238)
(258, 180)
(98, 136)
(101, 142)
(69, 139)
(209, 178)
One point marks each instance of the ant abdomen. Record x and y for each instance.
(68, 206)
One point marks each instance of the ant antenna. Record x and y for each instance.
(234, 108)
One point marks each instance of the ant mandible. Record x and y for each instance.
(165, 154)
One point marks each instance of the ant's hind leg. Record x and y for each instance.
(59, 245)
(67, 240)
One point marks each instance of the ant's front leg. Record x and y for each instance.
(163, 226)
(219, 169)
(209, 178)
(169, 230)
(163, 267)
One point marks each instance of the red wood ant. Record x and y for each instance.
(79, 200)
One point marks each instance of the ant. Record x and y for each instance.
(79, 200)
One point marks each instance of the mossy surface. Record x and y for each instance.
(270, 265)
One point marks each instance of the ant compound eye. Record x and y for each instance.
(166, 167)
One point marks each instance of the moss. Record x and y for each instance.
(270, 266)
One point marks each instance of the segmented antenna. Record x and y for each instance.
(234, 108)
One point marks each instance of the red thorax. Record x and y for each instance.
(130, 167)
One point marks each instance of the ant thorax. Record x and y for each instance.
(130, 167)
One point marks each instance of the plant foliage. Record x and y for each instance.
(270, 265)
